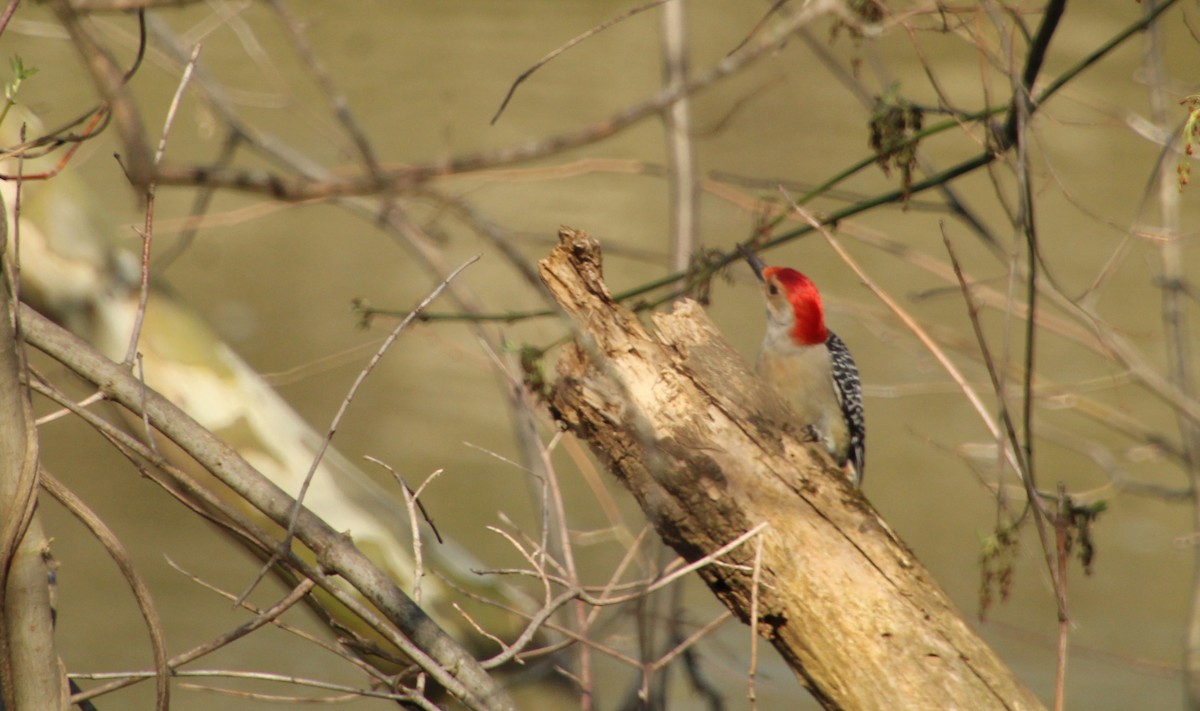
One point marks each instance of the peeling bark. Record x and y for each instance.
(709, 452)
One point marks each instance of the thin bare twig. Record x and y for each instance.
(337, 99)
(299, 590)
(415, 495)
(1062, 557)
(422, 640)
(126, 5)
(304, 187)
(285, 547)
(687, 643)
(1017, 132)
(267, 676)
(659, 583)
(755, 581)
(412, 503)
(147, 234)
(677, 125)
(535, 624)
(141, 593)
(555, 502)
(918, 331)
(199, 500)
(775, 6)
(1177, 328)
(112, 84)
(566, 46)
(9, 11)
(147, 430)
(986, 353)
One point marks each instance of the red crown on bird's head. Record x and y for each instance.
(809, 328)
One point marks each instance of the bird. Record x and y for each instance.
(810, 366)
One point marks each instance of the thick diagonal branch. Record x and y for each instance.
(421, 639)
(709, 453)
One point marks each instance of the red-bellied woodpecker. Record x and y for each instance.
(810, 366)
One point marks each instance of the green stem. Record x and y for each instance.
(1032, 67)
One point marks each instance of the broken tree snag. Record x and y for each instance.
(708, 451)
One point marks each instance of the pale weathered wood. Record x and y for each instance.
(707, 450)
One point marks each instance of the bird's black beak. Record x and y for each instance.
(755, 263)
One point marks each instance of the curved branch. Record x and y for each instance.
(431, 648)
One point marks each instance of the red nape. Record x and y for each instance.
(802, 294)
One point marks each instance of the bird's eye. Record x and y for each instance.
(773, 289)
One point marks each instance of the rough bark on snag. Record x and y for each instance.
(708, 451)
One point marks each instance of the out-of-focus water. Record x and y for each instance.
(423, 79)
